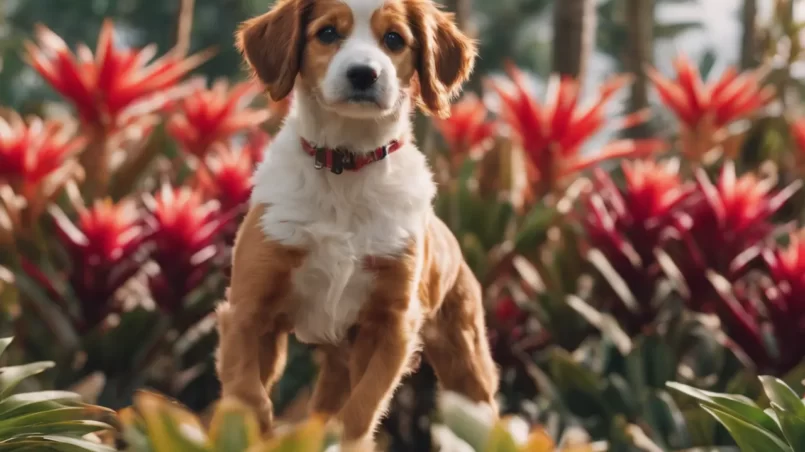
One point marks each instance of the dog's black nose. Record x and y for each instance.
(361, 77)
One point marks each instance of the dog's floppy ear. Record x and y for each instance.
(445, 56)
(272, 45)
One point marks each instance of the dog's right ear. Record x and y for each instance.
(272, 45)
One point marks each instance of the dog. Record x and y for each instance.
(340, 245)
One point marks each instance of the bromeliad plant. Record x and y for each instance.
(155, 424)
(119, 229)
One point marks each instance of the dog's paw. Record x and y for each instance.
(265, 416)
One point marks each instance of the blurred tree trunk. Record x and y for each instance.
(184, 27)
(749, 40)
(463, 12)
(639, 53)
(573, 36)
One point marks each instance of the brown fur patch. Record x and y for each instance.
(445, 55)
(273, 44)
(317, 55)
(392, 17)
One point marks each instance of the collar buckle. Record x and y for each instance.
(319, 158)
(384, 152)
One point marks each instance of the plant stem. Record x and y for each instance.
(574, 23)
(95, 161)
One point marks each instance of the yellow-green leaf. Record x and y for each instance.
(307, 437)
(170, 427)
(500, 440)
(234, 427)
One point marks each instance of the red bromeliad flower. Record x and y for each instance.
(186, 235)
(114, 87)
(104, 247)
(706, 109)
(724, 226)
(35, 152)
(767, 319)
(208, 117)
(626, 225)
(785, 299)
(231, 181)
(467, 130)
(553, 134)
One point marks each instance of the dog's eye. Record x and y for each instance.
(393, 41)
(328, 35)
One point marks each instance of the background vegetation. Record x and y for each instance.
(623, 176)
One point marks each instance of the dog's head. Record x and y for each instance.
(359, 58)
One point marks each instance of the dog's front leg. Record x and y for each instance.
(387, 337)
(377, 362)
(253, 325)
(240, 358)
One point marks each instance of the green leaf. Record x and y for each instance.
(21, 404)
(566, 372)
(67, 444)
(706, 63)
(4, 343)
(793, 427)
(660, 360)
(749, 437)
(782, 395)
(532, 232)
(604, 323)
(11, 376)
(70, 428)
(53, 443)
(667, 420)
(234, 427)
(17, 400)
(500, 440)
(736, 405)
(620, 397)
(615, 281)
(48, 417)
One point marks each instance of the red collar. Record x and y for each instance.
(337, 160)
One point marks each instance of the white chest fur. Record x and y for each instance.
(339, 220)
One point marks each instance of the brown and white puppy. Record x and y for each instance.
(341, 236)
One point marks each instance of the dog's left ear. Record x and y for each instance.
(445, 56)
(273, 43)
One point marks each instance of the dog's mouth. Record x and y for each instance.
(361, 104)
(363, 99)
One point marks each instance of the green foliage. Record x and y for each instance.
(778, 428)
(156, 424)
(46, 420)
